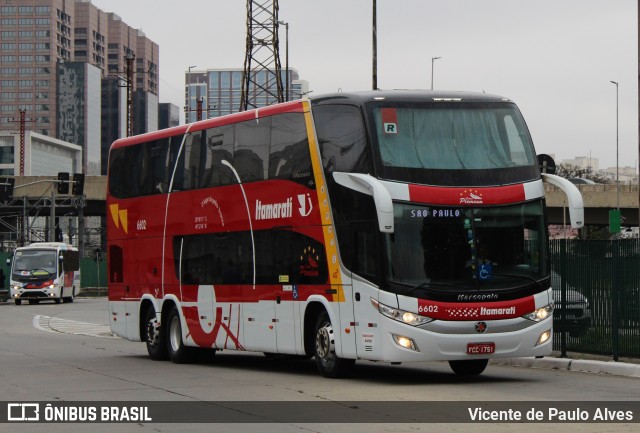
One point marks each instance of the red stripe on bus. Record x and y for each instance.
(459, 311)
(466, 196)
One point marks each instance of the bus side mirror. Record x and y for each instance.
(574, 198)
(369, 185)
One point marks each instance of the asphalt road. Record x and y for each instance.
(65, 353)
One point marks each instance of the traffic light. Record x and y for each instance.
(63, 183)
(78, 184)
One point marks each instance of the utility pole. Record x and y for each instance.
(262, 76)
(199, 109)
(375, 47)
(129, 58)
(22, 120)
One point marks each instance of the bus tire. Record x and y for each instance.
(328, 363)
(156, 344)
(471, 367)
(18, 301)
(178, 352)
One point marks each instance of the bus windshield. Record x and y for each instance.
(434, 247)
(459, 141)
(35, 263)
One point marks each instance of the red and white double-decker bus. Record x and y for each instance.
(388, 226)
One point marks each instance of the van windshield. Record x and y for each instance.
(34, 263)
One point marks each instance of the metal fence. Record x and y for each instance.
(597, 292)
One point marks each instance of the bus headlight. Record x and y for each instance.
(540, 314)
(400, 315)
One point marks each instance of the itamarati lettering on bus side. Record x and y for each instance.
(274, 210)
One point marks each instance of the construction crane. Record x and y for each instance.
(262, 76)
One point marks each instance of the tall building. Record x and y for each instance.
(220, 91)
(78, 114)
(168, 115)
(35, 36)
(38, 37)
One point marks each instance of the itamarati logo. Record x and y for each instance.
(471, 196)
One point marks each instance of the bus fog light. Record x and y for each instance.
(405, 342)
(544, 337)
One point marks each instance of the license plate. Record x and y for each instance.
(481, 348)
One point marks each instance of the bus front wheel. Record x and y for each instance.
(178, 352)
(471, 367)
(156, 346)
(328, 363)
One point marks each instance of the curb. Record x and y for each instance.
(581, 365)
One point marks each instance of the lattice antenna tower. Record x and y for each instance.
(262, 77)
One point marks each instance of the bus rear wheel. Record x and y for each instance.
(156, 345)
(471, 367)
(328, 363)
(178, 352)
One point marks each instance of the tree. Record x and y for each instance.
(569, 171)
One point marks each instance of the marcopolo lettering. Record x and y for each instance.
(274, 210)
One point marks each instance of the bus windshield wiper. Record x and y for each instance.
(428, 284)
(526, 277)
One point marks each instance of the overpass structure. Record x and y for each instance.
(598, 200)
(33, 196)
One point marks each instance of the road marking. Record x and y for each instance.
(65, 326)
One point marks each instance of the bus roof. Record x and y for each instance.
(359, 98)
(48, 245)
(355, 98)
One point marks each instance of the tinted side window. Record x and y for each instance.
(115, 264)
(251, 153)
(342, 139)
(226, 258)
(219, 147)
(194, 159)
(143, 169)
(289, 152)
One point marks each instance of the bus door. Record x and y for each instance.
(365, 263)
(116, 292)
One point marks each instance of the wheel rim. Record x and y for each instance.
(153, 332)
(325, 349)
(175, 334)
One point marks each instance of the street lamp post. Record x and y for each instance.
(617, 147)
(433, 59)
(616, 247)
(187, 108)
(286, 43)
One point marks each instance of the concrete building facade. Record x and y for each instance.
(44, 155)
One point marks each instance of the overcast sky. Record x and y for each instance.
(554, 58)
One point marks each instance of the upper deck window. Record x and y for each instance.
(452, 137)
(453, 143)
